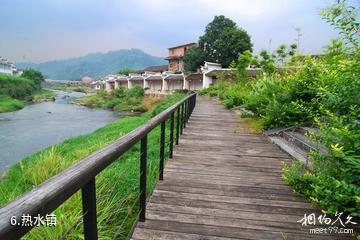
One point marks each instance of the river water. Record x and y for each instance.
(39, 125)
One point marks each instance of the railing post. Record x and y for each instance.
(143, 159)
(185, 107)
(181, 118)
(171, 134)
(162, 150)
(188, 110)
(88, 193)
(177, 126)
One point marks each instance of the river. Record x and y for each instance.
(37, 126)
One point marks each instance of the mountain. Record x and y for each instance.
(95, 64)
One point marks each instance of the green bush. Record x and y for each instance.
(203, 91)
(135, 92)
(181, 91)
(334, 181)
(16, 87)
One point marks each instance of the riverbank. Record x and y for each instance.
(8, 104)
(15, 92)
(117, 186)
(43, 95)
(121, 99)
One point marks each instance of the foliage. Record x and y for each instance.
(283, 53)
(244, 60)
(17, 87)
(330, 87)
(135, 92)
(228, 45)
(117, 186)
(222, 42)
(333, 182)
(345, 18)
(126, 71)
(194, 58)
(33, 75)
(120, 99)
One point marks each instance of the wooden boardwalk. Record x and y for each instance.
(224, 183)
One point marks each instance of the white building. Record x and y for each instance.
(168, 81)
(8, 68)
(97, 85)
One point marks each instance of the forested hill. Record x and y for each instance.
(95, 65)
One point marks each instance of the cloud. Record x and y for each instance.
(44, 30)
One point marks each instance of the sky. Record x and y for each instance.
(43, 30)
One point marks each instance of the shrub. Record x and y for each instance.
(136, 92)
(334, 182)
(181, 91)
(203, 91)
(16, 87)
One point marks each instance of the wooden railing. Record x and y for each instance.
(49, 195)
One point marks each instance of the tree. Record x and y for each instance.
(194, 58)
(266, 62)
(126, 71)
(34, 76)
(244, 61)
(344, 18)
(223, 41)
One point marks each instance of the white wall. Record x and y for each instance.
(6, 70)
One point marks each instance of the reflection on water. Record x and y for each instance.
(39, 125)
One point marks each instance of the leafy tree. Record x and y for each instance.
(34, 76)
(283, 54)
(126, 71)
(244, 61)
(345, 18)
(266, 62)
(223, 41)
(194, 58)
(233, 64)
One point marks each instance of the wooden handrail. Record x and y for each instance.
(50, 194)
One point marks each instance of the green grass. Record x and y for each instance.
(43, 95)
(117, 186)
(8, 104)
(118, 100)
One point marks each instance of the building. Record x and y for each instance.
(167, 78)
(97, 85)
(176, 63)
(8, 68)
(168, 81)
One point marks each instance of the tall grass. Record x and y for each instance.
(8, 104)
(117, 186)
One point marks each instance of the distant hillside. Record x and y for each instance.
(95, 65)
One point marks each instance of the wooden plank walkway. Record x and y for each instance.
(224, 183)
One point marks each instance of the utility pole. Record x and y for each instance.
(298, 36)
(270, 45)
